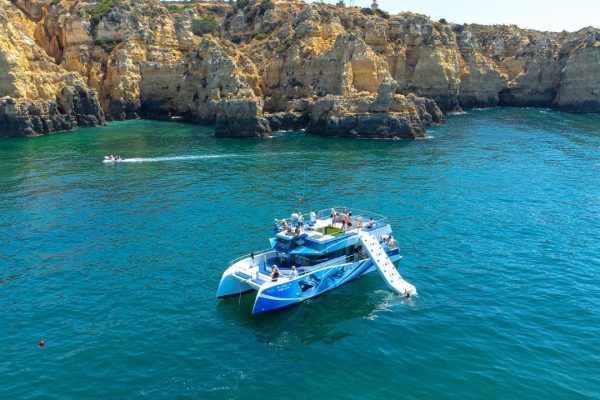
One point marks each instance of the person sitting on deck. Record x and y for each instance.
(392, 243)
(359, 221)
(274, 273)
(297, 231)
(371, 223)
(293, 273)
(280, 224)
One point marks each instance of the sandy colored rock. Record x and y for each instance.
(243, 69)
(38, 95)
(385, 115)
(580, 85)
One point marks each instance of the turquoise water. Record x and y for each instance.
(116, 266)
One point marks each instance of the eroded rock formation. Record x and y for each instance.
(36, 94)
(253, 67)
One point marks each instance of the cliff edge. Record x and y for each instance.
(252, 67)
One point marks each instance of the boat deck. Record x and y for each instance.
(257, 274)
(326, 228)
(255, 268)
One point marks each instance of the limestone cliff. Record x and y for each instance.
(260, 65)
(36, 94)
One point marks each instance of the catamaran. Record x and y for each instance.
(307, 260)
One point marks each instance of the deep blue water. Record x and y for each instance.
(116, 267)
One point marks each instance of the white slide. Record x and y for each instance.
(386, 268)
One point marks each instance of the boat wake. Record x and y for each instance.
(175, 158)
(196, 157)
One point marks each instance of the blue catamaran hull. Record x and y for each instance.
(286, 294)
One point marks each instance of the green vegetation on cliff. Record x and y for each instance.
(266, 5)
(180, 9)
(206, 24)
(95, 12)
(106, 45)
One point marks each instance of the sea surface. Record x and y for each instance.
(116, 267)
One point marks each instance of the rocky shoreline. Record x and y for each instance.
(253, 67)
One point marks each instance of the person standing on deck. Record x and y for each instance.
(313, 217)
(293, 273)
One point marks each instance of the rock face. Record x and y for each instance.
(38, 96)
(266, 66)
(386, 115)
(580, 87)
(208, 85)
(74, 106)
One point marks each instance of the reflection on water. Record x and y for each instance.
(315, 320)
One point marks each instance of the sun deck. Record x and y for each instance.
(326, 227)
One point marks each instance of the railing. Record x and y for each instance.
(356, 211)
(256, 255)
(339, 260)
(378, 219)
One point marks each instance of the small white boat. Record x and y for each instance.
(112, 159)
(315, 258)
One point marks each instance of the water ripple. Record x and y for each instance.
(116, 268)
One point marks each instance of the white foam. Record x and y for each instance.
(176, 158)
(199, 157)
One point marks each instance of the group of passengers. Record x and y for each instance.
(345, 218)
(282, 224)
(275, 273)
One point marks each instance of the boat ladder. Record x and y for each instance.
(384, 265)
